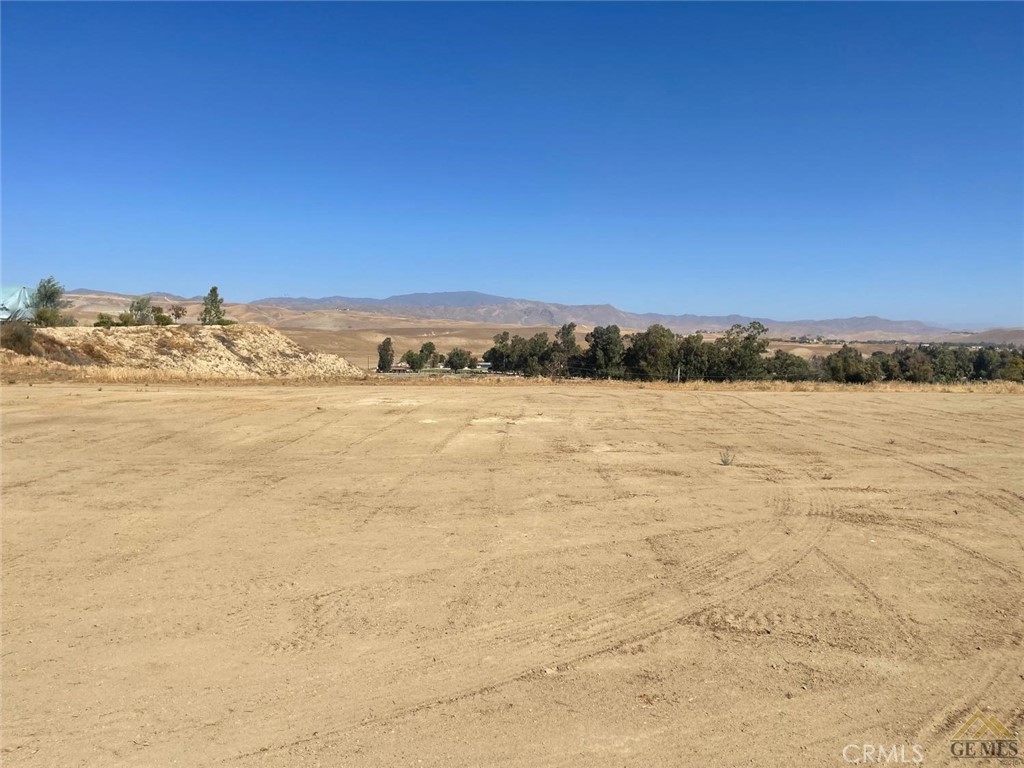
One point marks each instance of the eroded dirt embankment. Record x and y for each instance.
(193, 352)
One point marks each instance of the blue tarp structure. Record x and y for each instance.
(14, 303)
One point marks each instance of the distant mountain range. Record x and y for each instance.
(486, 308)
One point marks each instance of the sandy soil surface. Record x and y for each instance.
(522, 576)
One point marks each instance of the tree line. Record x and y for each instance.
(740, 354)
(427, 357)
(48, 300)
(142, 311)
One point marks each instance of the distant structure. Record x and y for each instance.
(15, 304)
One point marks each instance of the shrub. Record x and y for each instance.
(17, 336)
(52, 318)
(727, 457)
(94, 354)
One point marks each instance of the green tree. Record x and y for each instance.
(652, 354)
(564, 352)
(213, 308)
(945, 364)
(458, 359)
(693, 357)
(603, 358)
(160, 317)
(49, 294)
(500, 355)
(531, 356)
(1012, 368)
(918, 367)
(415, 360)
(788, 367)
(48, 300)
(987, 363)
(141, 311)
(742, 351)
(429, 354)
(888, 365)
(385, 355)
(848, 365)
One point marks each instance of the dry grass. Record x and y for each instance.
(988, 387)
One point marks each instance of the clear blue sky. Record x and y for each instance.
(780, 160)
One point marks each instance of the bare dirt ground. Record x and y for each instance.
(519, 576)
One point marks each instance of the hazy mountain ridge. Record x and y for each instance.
(338, 312)
(485, 308)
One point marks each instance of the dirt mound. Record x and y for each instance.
(235, 351)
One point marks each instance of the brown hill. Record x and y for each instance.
(990, 336)
(229, 352)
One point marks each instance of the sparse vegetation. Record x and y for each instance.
(160, 317)
(727, 457)
(47, 301)
(17, 336)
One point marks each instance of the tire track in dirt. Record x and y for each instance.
(506, 434)
(910, 636)
(330, 603)
(566, 635)
(858, 518)
(944, 471)
(1004, 568)
(432, 454)
(802, 628)
(938, 727)
(954, 475)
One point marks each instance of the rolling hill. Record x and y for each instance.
(500, 310)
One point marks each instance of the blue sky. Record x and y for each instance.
(779, 160)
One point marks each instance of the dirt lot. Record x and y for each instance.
(524, 575)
